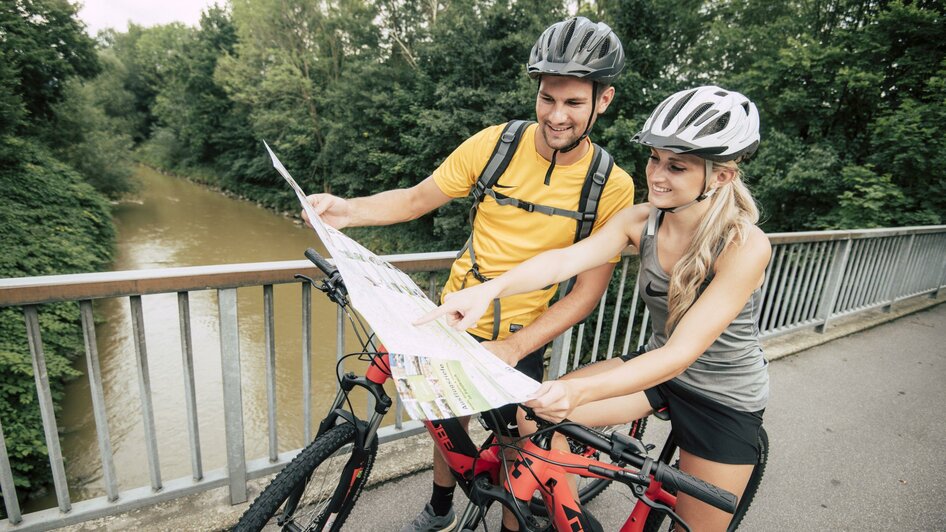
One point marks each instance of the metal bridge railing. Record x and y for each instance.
(812, 279)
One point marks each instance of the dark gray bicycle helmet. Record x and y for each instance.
(578, 47)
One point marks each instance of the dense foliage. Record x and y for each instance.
(56, 137)
(359, 96)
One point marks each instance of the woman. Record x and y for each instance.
(702, 266)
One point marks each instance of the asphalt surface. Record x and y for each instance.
(857, 429)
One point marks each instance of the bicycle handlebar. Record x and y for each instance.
(671, 477)
(663, 473)
(320, 261)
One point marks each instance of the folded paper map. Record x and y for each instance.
(439, 372)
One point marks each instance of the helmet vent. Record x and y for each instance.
(695, 114)
(715, 126)
(745, 105)
(569, 31)
(605, 48)
(585, 40)
(676, 108)
(722, 94)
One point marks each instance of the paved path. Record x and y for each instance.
(858, 435)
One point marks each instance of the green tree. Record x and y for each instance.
(51, 222)
(45, 44)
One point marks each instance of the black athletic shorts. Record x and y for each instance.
(502, 420)
(706, 428)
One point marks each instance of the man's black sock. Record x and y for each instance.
(441, 500)
(504, 529)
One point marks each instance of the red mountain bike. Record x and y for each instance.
(319, 488)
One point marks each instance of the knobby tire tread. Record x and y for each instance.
(299, 470)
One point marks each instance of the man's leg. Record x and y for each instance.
(441, 499)
(438, 513)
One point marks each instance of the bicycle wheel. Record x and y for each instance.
(310, 482)
(655, 518)
(589, 488)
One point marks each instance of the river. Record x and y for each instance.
(172, 222)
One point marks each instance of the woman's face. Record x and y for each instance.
(674, 179)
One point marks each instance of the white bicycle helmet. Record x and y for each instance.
(708, 121)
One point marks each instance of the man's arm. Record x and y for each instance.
(384, 208)
(585, 295)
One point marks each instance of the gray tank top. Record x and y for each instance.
(732, 371)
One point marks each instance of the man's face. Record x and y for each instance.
(563, 109)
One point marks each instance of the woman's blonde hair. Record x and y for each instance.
(732, 211)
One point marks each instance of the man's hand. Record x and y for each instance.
(504, 350)
(333, 210)
(554, 400)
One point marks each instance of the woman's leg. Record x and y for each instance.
(732, 478)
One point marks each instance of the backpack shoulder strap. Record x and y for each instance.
(499, 160)
(598, 173)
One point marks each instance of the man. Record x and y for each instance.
(575, 62)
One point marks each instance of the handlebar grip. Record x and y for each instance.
(694, 487)
(320, 261)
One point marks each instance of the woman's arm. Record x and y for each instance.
(738, 273)
(465, 307)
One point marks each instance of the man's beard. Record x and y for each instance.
(560, 143)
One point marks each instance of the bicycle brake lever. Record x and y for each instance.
(654, 505)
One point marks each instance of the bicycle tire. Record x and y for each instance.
(589, 488)
(656, 518)
(317, 471)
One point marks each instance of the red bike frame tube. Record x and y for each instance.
(532, 471)
(655, 492)
(380, 369)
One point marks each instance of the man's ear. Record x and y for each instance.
(605, 99)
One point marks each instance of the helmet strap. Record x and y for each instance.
(584, 135)
(707, 191)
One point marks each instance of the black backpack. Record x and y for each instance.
(585, 216)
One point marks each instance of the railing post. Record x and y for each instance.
(269, 339)
(98, 399)
(942, 272)
(833, 288)
(896, 284)
(190, 390)
(307, 363)
(46, 410)
(6, 483)
(232, 394)
(561, 345)
(144, 390)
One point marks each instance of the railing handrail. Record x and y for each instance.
(82, 286)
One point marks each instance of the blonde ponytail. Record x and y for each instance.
(731, 212)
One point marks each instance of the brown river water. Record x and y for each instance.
(172, 222)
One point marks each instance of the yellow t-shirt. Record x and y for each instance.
(504, 236)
